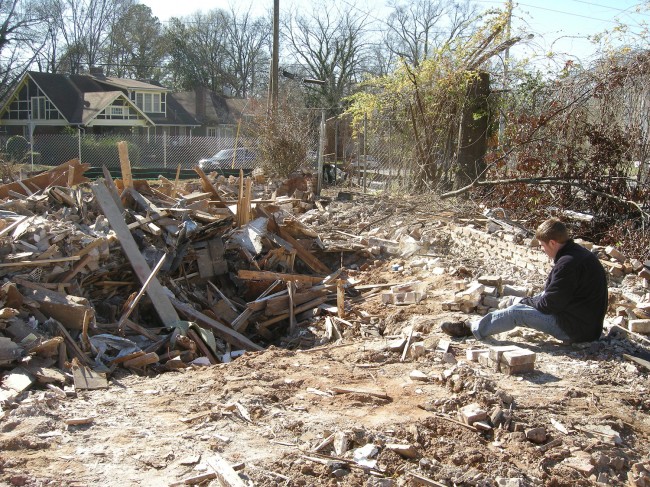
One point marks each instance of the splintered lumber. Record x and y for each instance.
(142, 360)
(209, 188)
(112, 188)
(270, 276)
(159, 298)
(226, 475)
(221, 330)
(280, 304)
(134, 303)
(72, 345)
(307, 306)
(125, 164)
(346, 390)
(56, 176)
(39, 263)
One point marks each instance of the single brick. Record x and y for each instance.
(518, 357)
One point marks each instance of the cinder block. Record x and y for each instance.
(639, 326)
(518, 357)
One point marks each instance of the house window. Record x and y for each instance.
(117, 111)
(150, 102)
(212, 131)
(38, 108)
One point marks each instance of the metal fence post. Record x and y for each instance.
(165, 149)
(79, 143)
(365, 151)
(321, 150)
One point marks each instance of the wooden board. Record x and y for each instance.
(87, 379)
(159, 298)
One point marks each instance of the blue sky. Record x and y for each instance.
(559, 26)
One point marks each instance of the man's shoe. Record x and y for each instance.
(456, 328)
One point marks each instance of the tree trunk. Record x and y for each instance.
(472, 140)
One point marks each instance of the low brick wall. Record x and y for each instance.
(501, 246)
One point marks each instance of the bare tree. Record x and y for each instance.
(329, 45)
(84, 27)
(416, 28)
(20, 39)
(197, 50)
(248, 50)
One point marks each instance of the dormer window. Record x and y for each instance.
(150, 102)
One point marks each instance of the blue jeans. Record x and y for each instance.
(517, 315)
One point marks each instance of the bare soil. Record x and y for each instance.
(270, 410)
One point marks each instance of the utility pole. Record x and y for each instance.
(275, 55)
(506, 66)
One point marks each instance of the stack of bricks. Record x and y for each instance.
(508, 359)
(483, 295)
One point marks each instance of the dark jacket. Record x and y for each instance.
(575, 293)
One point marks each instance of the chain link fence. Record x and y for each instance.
(375, 157)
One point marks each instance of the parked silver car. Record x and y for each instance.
(242, 158)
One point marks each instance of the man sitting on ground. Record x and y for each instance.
(572, 306)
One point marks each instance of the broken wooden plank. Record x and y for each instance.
(125, 164)
(307, 306)
(208, 187)
(57, 175)
(159, 298)
(141, 360)
(136, 300)
(639, 361)
(346, 390)
(67, 309)
(69, 343)
(220, 329)
(270, 276)
(27, 263)
(226, 475)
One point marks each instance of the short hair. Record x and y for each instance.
(552, 229)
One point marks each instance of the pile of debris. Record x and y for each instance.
(121, 273)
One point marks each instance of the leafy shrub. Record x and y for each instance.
(104, 152)
(17, 148)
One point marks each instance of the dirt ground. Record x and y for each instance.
(268, 412)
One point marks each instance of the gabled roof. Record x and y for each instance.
(216, 109)
(95, 103)
(80, 98)
(128, 84)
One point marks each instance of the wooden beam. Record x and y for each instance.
(159, 298)
(271, 276)
(125, 164)
(209, 188)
